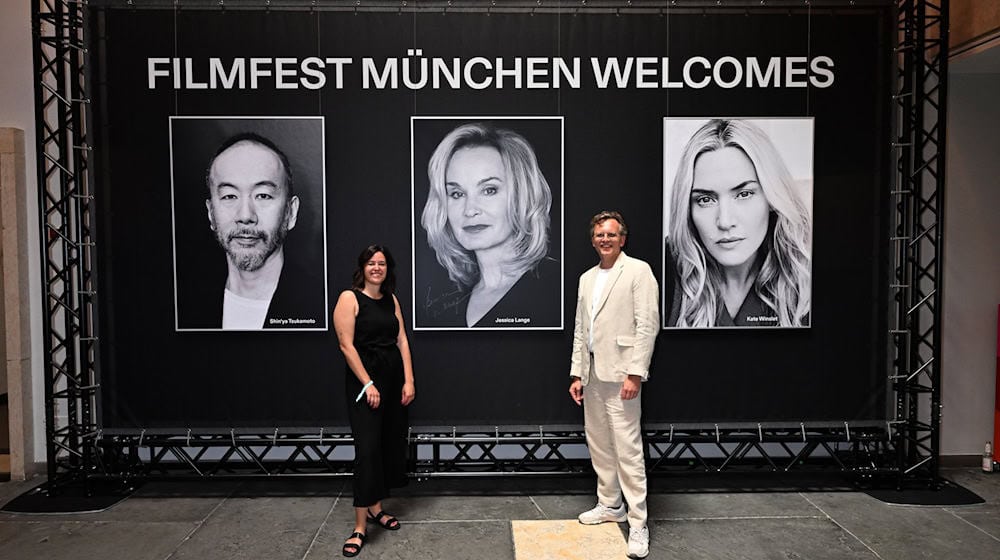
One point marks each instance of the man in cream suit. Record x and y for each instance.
(617, 319)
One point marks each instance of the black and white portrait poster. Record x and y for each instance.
(248, 222)
(737, 222)
(487, 216)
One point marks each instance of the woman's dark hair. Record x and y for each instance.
(358, 280)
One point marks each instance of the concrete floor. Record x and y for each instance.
(261, 520)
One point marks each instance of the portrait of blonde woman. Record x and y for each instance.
(738, 223)
(487, 219)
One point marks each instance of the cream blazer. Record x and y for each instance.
(626, 323)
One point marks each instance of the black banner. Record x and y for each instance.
(588, 92)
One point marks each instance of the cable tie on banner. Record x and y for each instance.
(496, 435)
(760, 432)
(274, 438)
(803, 426)
(847, 430)
(142, 435)
(321, 436)
(409, 434)
(671, 440)
(454, 441)
(188, 438)
(232, 435)
(717, 438)
(541, 435)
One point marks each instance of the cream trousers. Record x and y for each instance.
(614, 438)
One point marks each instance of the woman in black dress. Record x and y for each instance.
(370, 330)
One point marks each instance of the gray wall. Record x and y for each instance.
(17, 100)
(972, 254)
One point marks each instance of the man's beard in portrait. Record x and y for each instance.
(249, 259)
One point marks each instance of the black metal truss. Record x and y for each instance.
(433, 453)
(218, 455)
(66, 241)
(917, 233)
(860, 451)
(907, 446)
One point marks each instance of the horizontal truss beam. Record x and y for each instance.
(857, 451)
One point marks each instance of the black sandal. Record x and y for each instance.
(351, 549)
(386, 520)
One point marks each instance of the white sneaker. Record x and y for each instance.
(600, 514)
(638, 543)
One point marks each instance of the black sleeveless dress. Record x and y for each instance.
(379, 434)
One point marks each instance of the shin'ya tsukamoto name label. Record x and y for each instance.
(277, 321)
(512, 320)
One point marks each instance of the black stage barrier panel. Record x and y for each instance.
(346, 97)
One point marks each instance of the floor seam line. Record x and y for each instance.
(738, 517)
(433, 521)
(842, 527)
(974, 525)
(538, 507)
(322, 525)
(197, 526)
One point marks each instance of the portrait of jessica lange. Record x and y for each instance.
(487, 215)
(737, 222)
